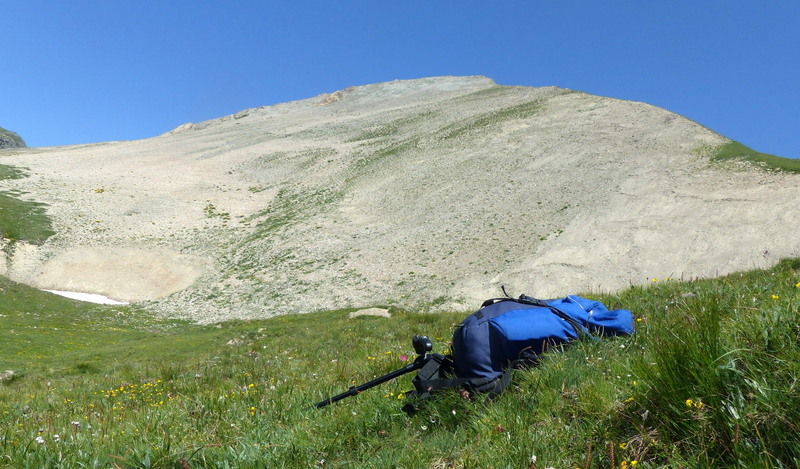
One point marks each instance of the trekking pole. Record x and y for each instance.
(422, 345)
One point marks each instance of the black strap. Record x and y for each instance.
(529, 300)
(435, 376)
(504, 381)
(492, 301)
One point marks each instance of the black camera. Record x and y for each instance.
(422, 344)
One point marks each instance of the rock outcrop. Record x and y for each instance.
(9, 139)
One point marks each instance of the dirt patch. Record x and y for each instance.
(119, 274)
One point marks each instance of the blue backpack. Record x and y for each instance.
(507, 332)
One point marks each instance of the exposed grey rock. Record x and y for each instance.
(9, 139)
(376, 312)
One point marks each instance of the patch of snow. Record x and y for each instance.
(89, 297)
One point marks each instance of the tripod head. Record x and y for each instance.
(422, 345)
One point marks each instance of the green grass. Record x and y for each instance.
(708, 380)
(392, 128)
(736, 151)
(20, 219)
(481, 122)
(290, 206)
(23, 220)
(11, 172)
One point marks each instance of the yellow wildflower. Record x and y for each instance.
(698, 404)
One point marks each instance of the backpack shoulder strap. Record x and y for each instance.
(492, 301)
(581, 331)
(522, 299)
(437, 374)
(431, 377)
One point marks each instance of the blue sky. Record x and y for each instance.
(84, 71)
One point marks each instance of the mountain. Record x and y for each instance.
(428, 193)
(9, 139)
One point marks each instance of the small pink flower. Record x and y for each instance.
(403, 358)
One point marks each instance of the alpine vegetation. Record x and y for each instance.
(706, 381)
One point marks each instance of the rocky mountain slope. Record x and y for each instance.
(9, 139)
(426, 193)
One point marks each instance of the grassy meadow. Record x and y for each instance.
(708, 380)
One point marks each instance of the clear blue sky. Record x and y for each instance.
(83, 71)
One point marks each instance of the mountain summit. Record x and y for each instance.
(428, 193)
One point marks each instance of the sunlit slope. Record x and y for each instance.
(424, 193)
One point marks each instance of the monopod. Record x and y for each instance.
(422, 345)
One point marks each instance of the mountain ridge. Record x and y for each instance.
(426, 193)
